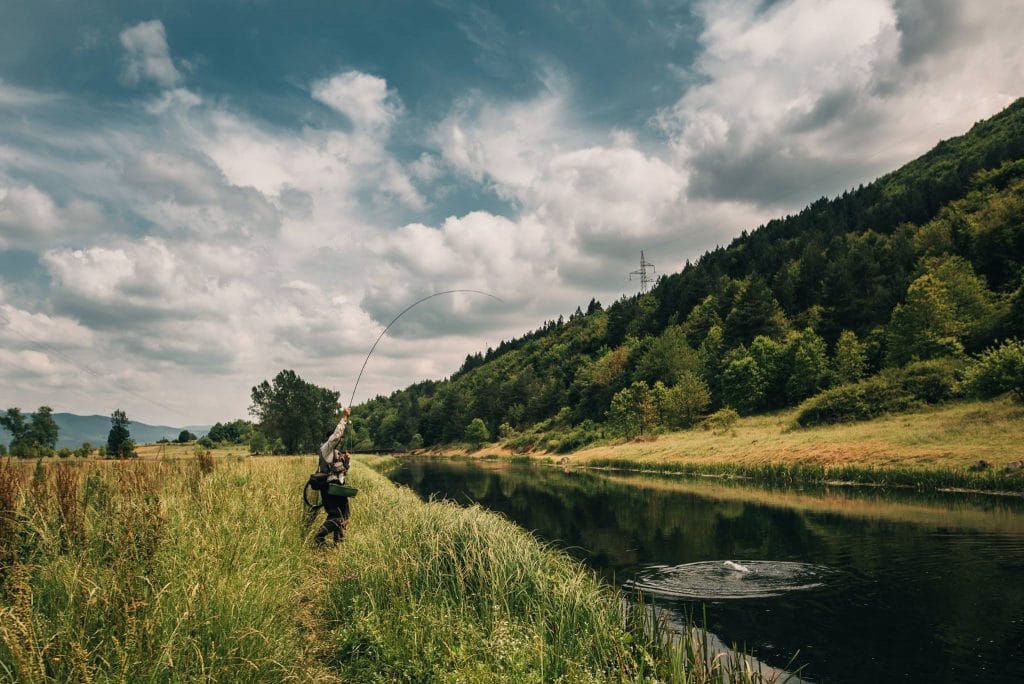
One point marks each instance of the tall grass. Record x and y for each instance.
(128, 573)
(436, 592)
(169, 571)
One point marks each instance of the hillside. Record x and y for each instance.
(903, 280)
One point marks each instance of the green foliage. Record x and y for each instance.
(234, 432)
(810, 367)
(998, 370)
(722, 420)
(298, 413)
(857, 401)
(925, 263)
(119, 441)
(33, 436)
(185, 436)
(477, 433)
(947, 308)
(709, 356)
(43, 429)
(701, 319)
(84, 450)
(681, 405)
(851, 358)
(258, 443)
(666, 358)
(632, 410)
(756, 312)
(15, 423)
(931, 382)
(743, 384)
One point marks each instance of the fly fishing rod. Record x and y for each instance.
(311, 496)
(402, 313)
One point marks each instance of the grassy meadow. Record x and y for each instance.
(201, 570)
(933, 447)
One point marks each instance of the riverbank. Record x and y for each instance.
(932, 448)
(159, 571)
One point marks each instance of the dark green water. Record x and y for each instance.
(857, 585)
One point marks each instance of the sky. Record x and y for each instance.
(195, 195)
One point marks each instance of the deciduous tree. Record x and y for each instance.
(297, 412)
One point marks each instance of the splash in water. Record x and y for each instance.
(735, 566)
(715, 580)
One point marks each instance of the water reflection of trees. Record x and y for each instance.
(934, 596)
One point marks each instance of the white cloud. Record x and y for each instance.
(363, 98)
(193, 249)
(29, 216)
(807, 97)
(147, 56)
(12, 96)
(23, 328)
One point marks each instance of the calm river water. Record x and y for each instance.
(857, 585)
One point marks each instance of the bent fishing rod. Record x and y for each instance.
(402, 313)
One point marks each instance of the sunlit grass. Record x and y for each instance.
(931, 448)
(154, 570)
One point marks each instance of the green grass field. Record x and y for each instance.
(153, 570)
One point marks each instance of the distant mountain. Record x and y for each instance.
(75, 429)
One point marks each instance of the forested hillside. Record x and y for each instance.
(876, 300)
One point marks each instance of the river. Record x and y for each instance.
(854, 584)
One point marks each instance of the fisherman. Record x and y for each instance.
(335, 464)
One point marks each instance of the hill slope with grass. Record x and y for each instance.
(884, 296)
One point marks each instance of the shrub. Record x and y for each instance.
(932, 381)
(855, 401)
(204, 459)
(997, 370)
(258, 443)
(575, 438)
(721, 420)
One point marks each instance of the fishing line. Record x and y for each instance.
(403, 312)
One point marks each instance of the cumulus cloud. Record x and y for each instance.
(21, 328)
(363, 98)
(147, 56)
(29, 216)
(804, 97)
(184, 238)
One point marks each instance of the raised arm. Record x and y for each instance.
(335, 439)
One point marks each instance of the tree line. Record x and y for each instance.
(35, 436)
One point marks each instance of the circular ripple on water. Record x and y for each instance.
(711, 580)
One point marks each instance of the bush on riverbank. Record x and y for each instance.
(893, 391)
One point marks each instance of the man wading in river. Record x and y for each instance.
(335, 464)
